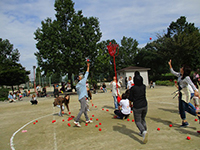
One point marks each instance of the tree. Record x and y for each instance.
(127, 52)
(180, 43)
(65, 43)
(183, 41)
(7, 53)
(102, 66)
(11, 72)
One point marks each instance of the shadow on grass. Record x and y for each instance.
(108, 107)
(124, 130)
(165, 122)
(177, 126)
(170, 110)
(187, 132)
(65, 114)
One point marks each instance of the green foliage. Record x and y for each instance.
(11, 73)
(180, 43)
(4, 94)
(65, 43)
(166, 83)
(7, 53)
(127, 52)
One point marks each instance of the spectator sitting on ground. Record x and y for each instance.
(104, 88)
(124, 108)
(10, 98)
(34, 100)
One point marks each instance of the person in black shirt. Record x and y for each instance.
(138, 98)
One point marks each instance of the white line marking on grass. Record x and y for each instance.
(12, 137)
(55, 143)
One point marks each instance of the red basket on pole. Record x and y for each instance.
(113, 50)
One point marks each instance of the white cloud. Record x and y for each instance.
(139, 19)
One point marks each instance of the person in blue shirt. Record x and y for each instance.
(82, 94)
(10, 98)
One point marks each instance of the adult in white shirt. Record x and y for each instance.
(115, 91)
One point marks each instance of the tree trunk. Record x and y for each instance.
(12, 88)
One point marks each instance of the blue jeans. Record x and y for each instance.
(115, 102)
(183, 106)
(105, 90)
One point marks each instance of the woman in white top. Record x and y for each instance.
(184, 94)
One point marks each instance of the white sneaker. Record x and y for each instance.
(77, 124)
(145, 137)
(89, 121)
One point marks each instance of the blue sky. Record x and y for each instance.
(139, 19)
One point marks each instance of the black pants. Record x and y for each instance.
(120, 114)
(34, 102)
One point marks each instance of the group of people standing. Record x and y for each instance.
(134, 98)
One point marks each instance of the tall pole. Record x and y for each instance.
(34, 78)
(112, 51)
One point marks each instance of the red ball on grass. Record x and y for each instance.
(170, 125)
(100, 123)
(188, 137)
(158, 129)
(33, 122)
(96, 125)
(133, 120)
(99, 129)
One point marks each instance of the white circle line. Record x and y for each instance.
(12, 137)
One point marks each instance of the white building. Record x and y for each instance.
(129, 71)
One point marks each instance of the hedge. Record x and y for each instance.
(166, 83)
(4, 94)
